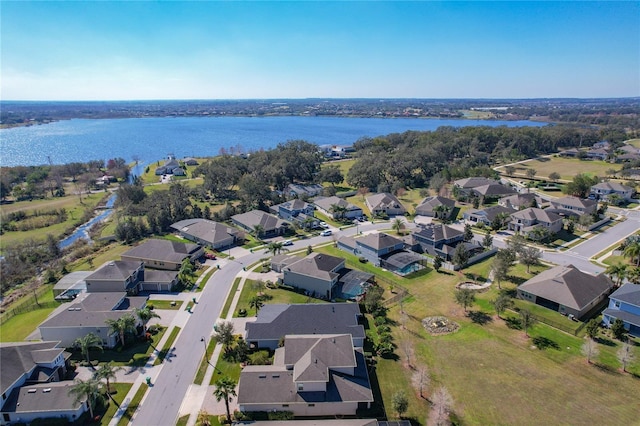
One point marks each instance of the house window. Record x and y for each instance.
(616, 304)
(285, 405)
(312, 405)
(300, 387)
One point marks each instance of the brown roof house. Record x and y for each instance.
(33, 386)
(567, 290)
(311, 375)
(163, 254)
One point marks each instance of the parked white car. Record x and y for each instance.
(325, 233)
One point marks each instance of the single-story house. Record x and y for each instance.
(573, 206)
(277, 320)
(385, 203)
(170, 167)
(598, 154)
(466, 184)
(271, 225)
(604, 190)
(32, 383)
(438, 207)
(311, 375)
(208, 233)
(163, 254)
(296, 211)
(296, 190)
(486, 216)
(190, 161)
(326, 206)
(571, 152)
(624, 304)
(527, 220)
(566, 289)
(492, 190)
(87, 314)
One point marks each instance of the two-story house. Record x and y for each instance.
(604, 190)
(385, 203)
(521, 201)
(32, 383)
(486, 216)
(311, 375)
(316, 273)
(296, 190)
(438, 240)
(163, 254)
(384, 251)
(527, 220)
(327, 205)
(117, 276)
(573, 206)
(296, 211)
(624, 304)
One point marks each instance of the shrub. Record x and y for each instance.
(280, 415)
(242, 312)
(259, 358)
(362, 259)
(380, 320)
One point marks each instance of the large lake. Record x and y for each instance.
(151, 139)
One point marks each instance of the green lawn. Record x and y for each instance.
(226, 369)
(566, 167)
(205, 279)
(202, 368)
(274, 295)
(227, 303)
(118, 393)
(133, 405)
(634, 142)
(106, 254)
(17, 328)
(166, 348)
(165, 304)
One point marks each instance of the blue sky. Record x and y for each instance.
(237, 50)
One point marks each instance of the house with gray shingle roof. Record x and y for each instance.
(437, 206)
(438, 240)
(32, 383)
(312, 375)
(208, 233)
(276, 320)
(271, 225)
(385, 251)
(385, 203)
(296, 211)
(486, 216)
(117, 276)
(521, 201)
(624, 304)
(604, 190)
(325, 205)
(87, 314)
(527, 220)
(567, 290)
(163, 254)
(573, 206)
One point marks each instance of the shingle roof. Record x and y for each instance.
(519, 200)
(574, 202)
(612, 186)
(162, 250)
(384, 200)
(205, 230)
(492, 212)
(430, 203)
(317, 265)
(20, 358)
(378, 241)
(438, 232)
(47, 397)
(568, 286)
(276, 320)
(540, 215)
(473, 182)
(295, 204)
(117, 270)
(493, 189)
(313, 355)
(325, 203)
(628, 293)
(258, 217)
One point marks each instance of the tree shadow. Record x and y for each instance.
(605, 341)
(517, 280)
(478, 317)
(511, 292)
(545, 343)
(513, 323)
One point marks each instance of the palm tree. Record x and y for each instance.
(144, 315)
(107, 371)
(256, 302)
(308, 221)
(338, 211)
(258, 230)
(124, 324)
(89, 390)
(633, 275)
(633, 251)
(225, 389)
(397, 225)
(617, 270)
(275, 248)
(87, 342)
(186, 273)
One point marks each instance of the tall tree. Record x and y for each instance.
(487, 241)
(501, 303)
(460, 256)
(187, 273)
(632, 250)
(617, 272)
(468, 233)
(258, 231)
(554, 176)
(224, 333)
(145, 315)
(499, 269)
(625, 355)
(618, 330)
(89, 390)
(465, 297)
(331, 174)
(590, 349)
(592, 328)
(123, 325)
(530, 256)
(526, 321)
(225, 388)
(86, 342)
(275, 248)
(256, 302)
(107, 371)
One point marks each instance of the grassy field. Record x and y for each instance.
(18, 327)
(634, 142)
(566, 167)
(106, 254)
(274, 295)
(74, 209)
(165, 304)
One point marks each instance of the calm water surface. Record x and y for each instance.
(151, 139)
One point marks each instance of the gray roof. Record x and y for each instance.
(72, 279)
(94, 309)
(438, 232)
(276, 320)
(258, 217)
(473, 182)
(612, 186)
(295, 204)
(520, 200)
(493, 189)
(325, 203)
(384, 200)
(539, 215)
(313, 355)
(116, 270)
(159, 276)
(318, 265)
(162, 250)
(574, 202)
(625, 316)
(628, 293)
(205, 230)
(568, 286)
(348, 241)
(379, 241)
(491, 212)
(20, 358)
(48, 397)
(429, 203)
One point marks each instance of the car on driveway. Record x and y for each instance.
(325, 233)
(324, 225)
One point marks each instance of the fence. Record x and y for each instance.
(12, 312)
(557, 325)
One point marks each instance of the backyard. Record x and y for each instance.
(566, 167)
